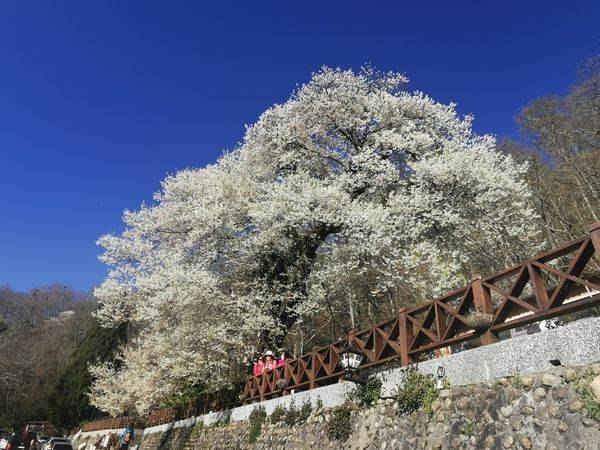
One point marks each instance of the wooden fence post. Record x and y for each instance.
(313, 372)
(594, 230)
(483, 303)
(406, 337)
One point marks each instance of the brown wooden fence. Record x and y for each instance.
(554, 283)
(107, 424)
(215, 401)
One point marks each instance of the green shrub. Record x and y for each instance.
(68, 400)
(277, 415)
(187, 391)
(516, 379)
(223, 418)
(469, 428)
(292, 415)
(339, 426)
(257, 418)
(197, 430)
(305, 411)
(368, 393)
(319, 404)
(418, 391)
(582, 386)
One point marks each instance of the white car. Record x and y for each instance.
(48, 444)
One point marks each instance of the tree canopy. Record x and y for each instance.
(354, 192)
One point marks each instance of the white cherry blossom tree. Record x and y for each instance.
(354, 187)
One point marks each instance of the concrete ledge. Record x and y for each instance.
(575, 344)
(331, 395)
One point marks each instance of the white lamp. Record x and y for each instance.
(351, 357)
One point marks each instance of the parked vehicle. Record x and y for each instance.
(53, 440)
(25, 440)
(4, 438)
(61, 446)
(41, 442)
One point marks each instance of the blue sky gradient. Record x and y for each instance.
(100, 100)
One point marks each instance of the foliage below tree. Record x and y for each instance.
(68, 401)
(349, 200)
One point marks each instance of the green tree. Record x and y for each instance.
(68, 401)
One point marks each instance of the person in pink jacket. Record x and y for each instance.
(284, 357)
(259, 366)
(270, 362)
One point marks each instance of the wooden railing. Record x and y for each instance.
(214, 401)
(553, 283)
(107, 424)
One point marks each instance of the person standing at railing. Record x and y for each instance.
(259, 366)
(105, 441)
(270, 362)
(113, 441)
(126, 437)
(282, 359)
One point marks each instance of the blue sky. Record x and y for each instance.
(100, 100)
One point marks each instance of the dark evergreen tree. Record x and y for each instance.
(68, 402)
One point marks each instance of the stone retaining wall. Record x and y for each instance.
(538, 411)
(528, 411)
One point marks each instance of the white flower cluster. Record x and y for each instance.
(353, 182)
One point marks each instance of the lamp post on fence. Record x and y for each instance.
(351, 357)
